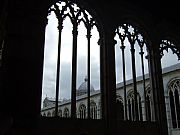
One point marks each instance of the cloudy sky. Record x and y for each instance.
(50, 55)
(50, 62)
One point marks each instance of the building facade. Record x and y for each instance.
(171, 84)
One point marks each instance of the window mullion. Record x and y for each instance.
(143, 75)
(124, 79)
(58, 66)
(88, 71)
(134, 80)
(74, 71)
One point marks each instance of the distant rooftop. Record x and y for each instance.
(140, 78)
(171, 68)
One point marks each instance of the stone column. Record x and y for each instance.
(157, 89)
(109, 80)
(22, 66)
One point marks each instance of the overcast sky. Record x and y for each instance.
(50, 55)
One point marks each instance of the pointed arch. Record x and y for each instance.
(131, 106)
(174, 94)
(93, 110)
(66, 112)
(48, 114)
(133, 52)
(77, 14)
(82, 111)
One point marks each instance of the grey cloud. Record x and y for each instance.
(169, 59)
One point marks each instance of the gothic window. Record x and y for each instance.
(119, 107)
(93, 112)
(44, 114)
(170, 55)
(168, 45)
(174, 96)
(60, 113)
(66, 112)
(169, 52)
(53, 113)
(48, 114)
(99, 109)
(82, 111)
(131, 51)
(71, 52)
(131, 106)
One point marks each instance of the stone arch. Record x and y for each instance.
(53, 113)
(141, 26)
(66, 112)
(93, 109)
(60, 113)
(131, 106)
(170, 82)
(168, 43)
(173, 92)
(149, 103)
(82, 111)
(84, 5)
(166, 30)
(44, 114)
(89, 20)
(48, 114)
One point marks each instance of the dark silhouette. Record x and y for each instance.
(22, 36)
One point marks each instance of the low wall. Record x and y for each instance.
(64, 126)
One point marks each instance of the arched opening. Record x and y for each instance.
(82, 111)
(170, 57)
(53, 113)
(131, 61)
(169, 52)
(93, 112)
(48, 114)
(66, 112)
(174, 94)
(131, 107)
(60, 113)
(71, 53)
